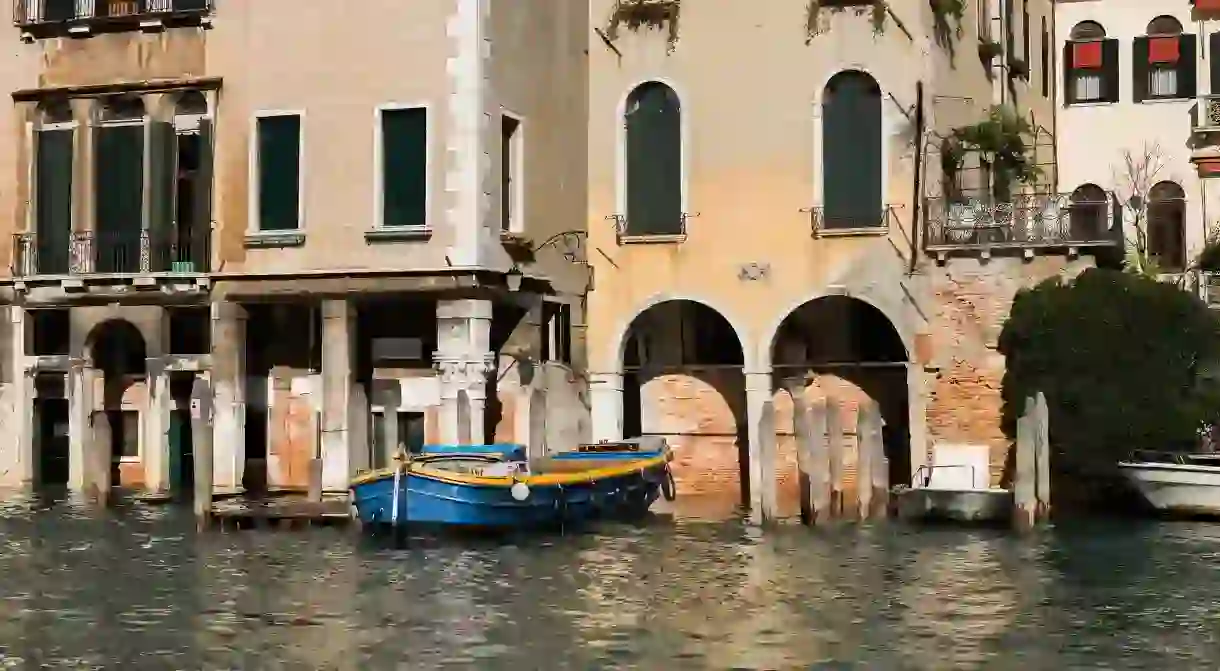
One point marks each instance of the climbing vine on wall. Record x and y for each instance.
(947, 17)
(877, 10)
(635, 15)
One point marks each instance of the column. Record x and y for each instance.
(83, 210)
(229, 387)
(464, 360)
(80, 431)
(606, 397)
(758, 392)
(390, 402)
(154, 425)
(337, 457)
(358, 427)
(20, 398)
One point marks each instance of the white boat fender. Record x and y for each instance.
(669, 488)
(520, 491)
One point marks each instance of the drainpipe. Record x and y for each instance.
(917, 198)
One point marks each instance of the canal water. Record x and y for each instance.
(137, 588)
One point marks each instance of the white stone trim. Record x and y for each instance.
(613, 363)
(379, 163)
(890, 125)
(253, 167)
(517, 144)
(468, 163)
(620, 143)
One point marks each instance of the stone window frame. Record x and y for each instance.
(255, 236)
(379, 231)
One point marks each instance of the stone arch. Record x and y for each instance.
(116, 346)
(653, 145)
(1086, 31)
(847, 349)
(1164, 25)
(1166, 233)
(57, 111)
(684, 379)
(853, 151)
(618, 343)
(122, 108)
(191, 103)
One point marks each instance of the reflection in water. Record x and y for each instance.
(138, 588)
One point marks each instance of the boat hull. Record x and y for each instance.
(1176, 488)
(424, 499)
(955, 506)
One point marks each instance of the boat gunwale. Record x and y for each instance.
(1158, 466)
(419, 469)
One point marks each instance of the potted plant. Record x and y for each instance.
(988, 50)
(1018, 68)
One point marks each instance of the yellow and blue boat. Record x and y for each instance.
(496, 487)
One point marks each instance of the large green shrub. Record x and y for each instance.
(1121, 359)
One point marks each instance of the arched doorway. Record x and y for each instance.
(1166, 243)
(844, 349)
(118, 351)
(683, 379)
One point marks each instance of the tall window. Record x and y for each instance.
(53, 148)
(1166, 232)
(851, 152)
(1045, 60)
(1090, 65)
(1163, 61)
(654, 161)
(404, 167)
(510, 174)
(119, 187)
(186, 212)
(278, 166)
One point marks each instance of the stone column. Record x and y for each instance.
(358, 427)
(338, 321)
(464, 360)
(155, 428)
(19, 399)
(606, 397)
(229, 392)
(758, 393)
(390, 401)
(80, 426)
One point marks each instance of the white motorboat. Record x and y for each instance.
(1173, 482)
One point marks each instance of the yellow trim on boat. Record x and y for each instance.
(539, 479)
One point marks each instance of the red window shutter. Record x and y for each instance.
(1163, 50)
(1207, 5)
(1086, 55)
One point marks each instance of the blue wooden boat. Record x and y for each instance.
(495, 487)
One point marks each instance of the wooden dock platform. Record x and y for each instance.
(284, 511)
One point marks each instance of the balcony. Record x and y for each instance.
(110, 254)
(1207, 114)
(1027, 224)
(40, 18)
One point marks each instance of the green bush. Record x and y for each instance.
(1121, 359)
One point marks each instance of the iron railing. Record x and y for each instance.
(822, 223)
(1027, 221)
(624, 231)
(43, 12)
(1207, 113)
(94, 253)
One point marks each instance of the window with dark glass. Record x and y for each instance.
(1090, 65)
(654, 161)
(851, 152)
(404, 167)
(1087, 217)
(119, 187)
(279, 172)
(53, 150)
(1166, 224)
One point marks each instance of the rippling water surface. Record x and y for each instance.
(137, 588)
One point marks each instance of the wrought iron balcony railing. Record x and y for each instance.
(28, 13)
(625, 232)
(93, 253)
(824, 224)
(1207, 113)
(1028, 221)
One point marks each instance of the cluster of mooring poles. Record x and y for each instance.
(822, 448)
(1031, 481)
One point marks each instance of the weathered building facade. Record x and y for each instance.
(342, 220)
(772, 216)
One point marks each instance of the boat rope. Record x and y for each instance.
(669, 489)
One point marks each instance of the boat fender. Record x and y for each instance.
(520, 491)
(669, 488)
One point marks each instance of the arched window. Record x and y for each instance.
(1160, 54)
(191, 103)
(1166, 242)
(653, 122)
(122, 109)
(55, 112)
(1088, 213)
(851, 152)
(1086, 63)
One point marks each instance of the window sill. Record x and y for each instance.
(264, 239)
(1167, 99)
(1089, 103)
(398, 234)
(870, 231)
(652, 239)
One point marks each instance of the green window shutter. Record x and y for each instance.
(119, 197)
(404, 159)
(851, 152)
(1110, 71)
(53, 200)
(199, 235)
(162, 169)
(1139, 69)
(1188, 74)
(279, 173)
(654, 161)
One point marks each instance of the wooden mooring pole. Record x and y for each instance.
(835, 448)
(1042, 456)
(872, 474)
(1025, 497)
(817, 461)
(202, 415)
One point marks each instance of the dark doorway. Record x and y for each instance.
(51, 440)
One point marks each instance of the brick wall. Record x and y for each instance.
(971, 300)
